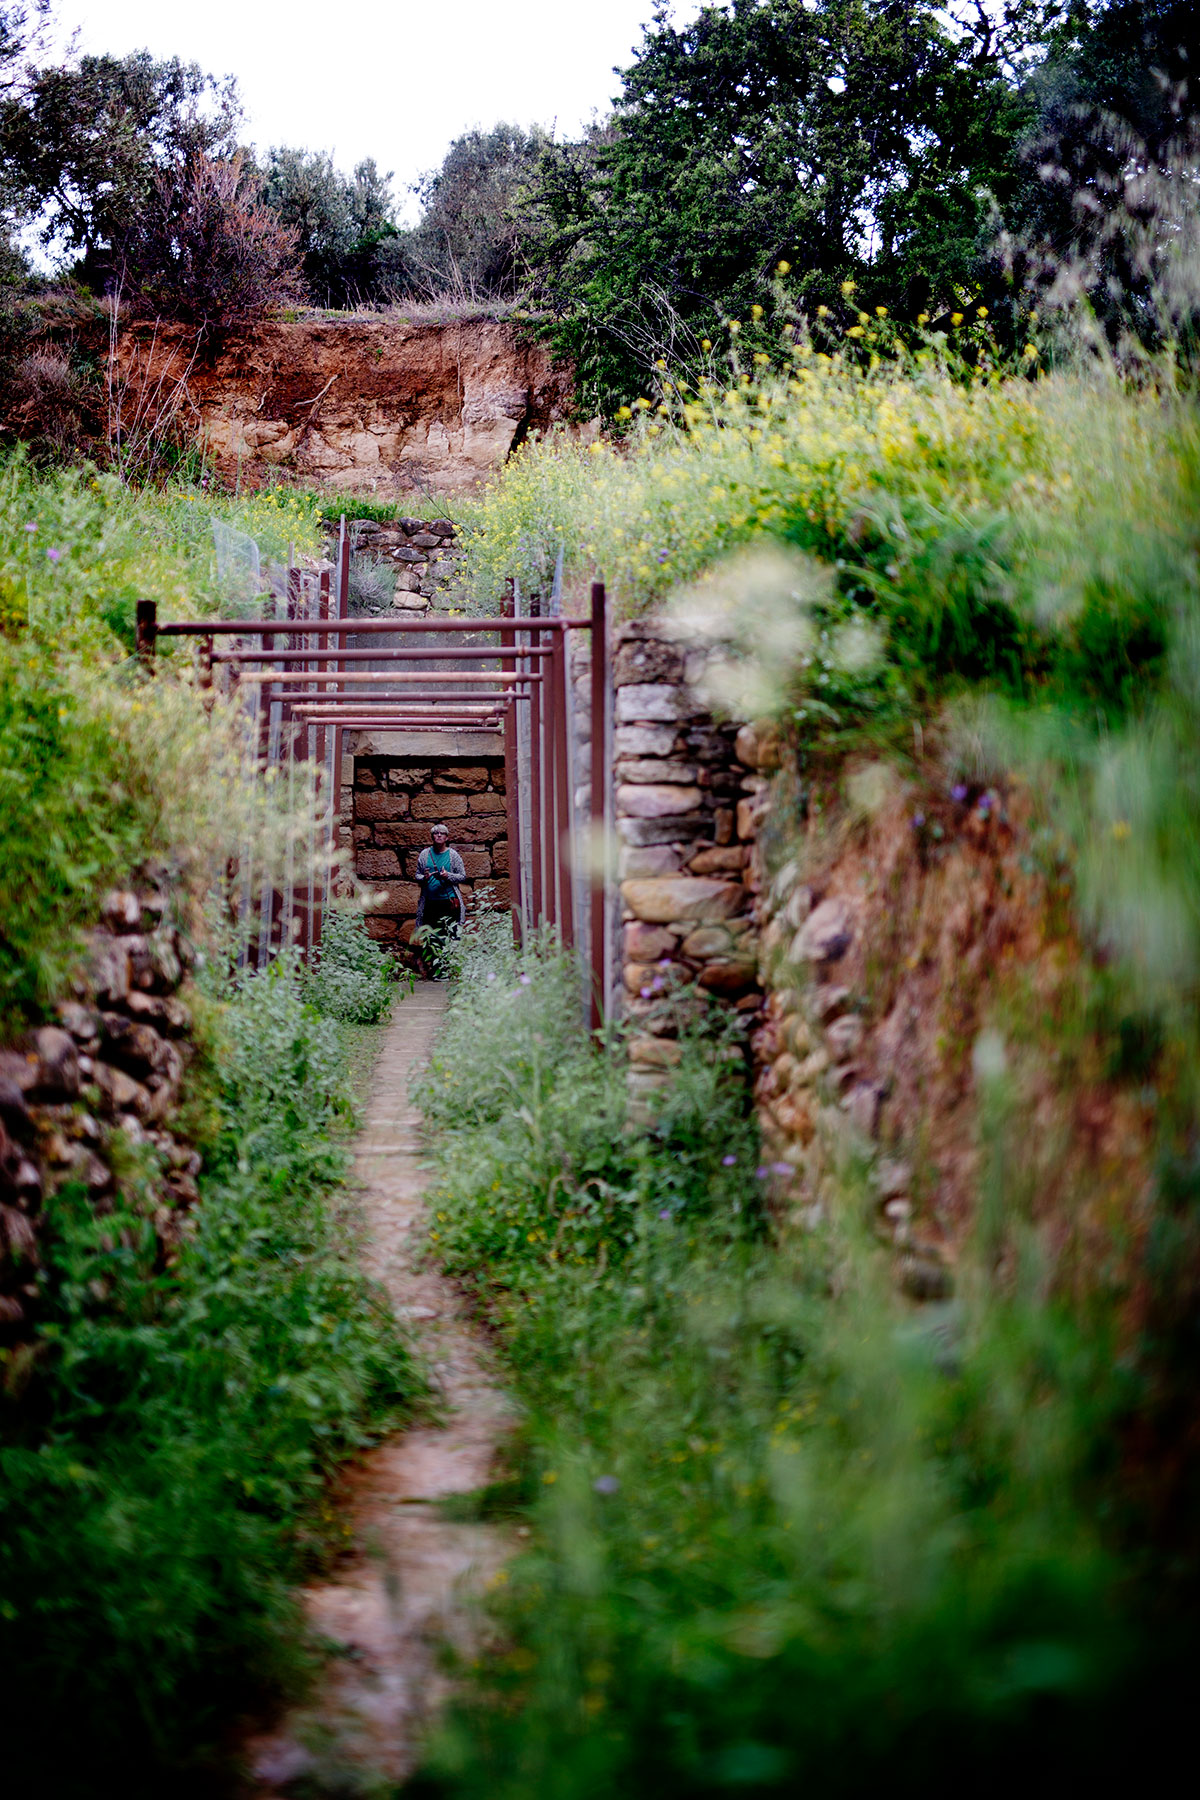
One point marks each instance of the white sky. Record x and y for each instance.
(392, 79)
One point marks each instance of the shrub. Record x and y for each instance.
(204, 249)
(354, 978)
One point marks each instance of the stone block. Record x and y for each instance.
(675, 829)
(57, 1062)
(500, 857)
(825, 935)
(656, 801)
(655, 1052)
(653, 703)
(376, 864)
(649, 859)
(657, 769)
(438, 806)
(407, 777)
(486, 803)
(477, 863)
(645, 660)
(460, 780)
(728, 976)
(707, 941)
(380, 806)
(657, 902)
(403, 837)
(643, 740)
(480, 828)
(396, 898)
(749, 817)
(646, 943)
(383, 930)
(726, 861)
(723, 826)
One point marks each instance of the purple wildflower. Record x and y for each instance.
(32, 526)
(606, 1484)
(781, 1168)
(645, 993)
(761, 1173)
(918, 819)
(525, 980)
(664, 556)
(53, 555)
(958, 792)
(728, 1161)
(665, 1213)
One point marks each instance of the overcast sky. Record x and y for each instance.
(392, 79)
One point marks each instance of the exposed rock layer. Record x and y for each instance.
(369, 404)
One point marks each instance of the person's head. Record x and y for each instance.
(441, 837)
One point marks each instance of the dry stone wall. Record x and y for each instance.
(686, 817)
(77, 1098)
(423, 554)
(395, 803)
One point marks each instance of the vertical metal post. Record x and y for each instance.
(599, 823)
(537, 823)
(512, 803)
(335, 773)
(206, 662)
(562, 787)
(146, 631)
(550, 705)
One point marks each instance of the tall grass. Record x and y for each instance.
(167, 1440)
(784, 1532)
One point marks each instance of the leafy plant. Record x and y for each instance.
(165, 1451)
(354, 978)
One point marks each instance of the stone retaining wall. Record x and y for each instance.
(687, 812)
(424, 552)
(395, 802)
(82, 1096)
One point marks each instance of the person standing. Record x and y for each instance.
(440, 909)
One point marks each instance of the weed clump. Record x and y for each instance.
(165, 1444)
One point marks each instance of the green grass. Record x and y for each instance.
(786, 1531)
(166, 1442)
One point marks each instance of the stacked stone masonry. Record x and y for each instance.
(686, 817)
(424, 554)
(822, 1103)
(396, 802)
(83, 1095)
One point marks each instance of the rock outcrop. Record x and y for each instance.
(371, 404)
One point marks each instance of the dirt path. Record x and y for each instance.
(399, 1592)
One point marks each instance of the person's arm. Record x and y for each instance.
(423, 868)
(457, 873)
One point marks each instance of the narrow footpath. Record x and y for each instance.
(400, 1591)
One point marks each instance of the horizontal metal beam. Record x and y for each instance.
(494, 677)
(353, 627)
(342, 656)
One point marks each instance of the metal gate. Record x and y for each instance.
(303, 686)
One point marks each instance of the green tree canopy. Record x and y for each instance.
(853, 139)
(83, 142)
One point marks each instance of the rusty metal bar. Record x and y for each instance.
(598, 834)
(340, 656)
(536, 813)
(146, 630)
(497, 677)
(563, 843)
(508, 644)
(352, 627)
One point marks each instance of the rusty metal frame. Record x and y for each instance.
(306, 701)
